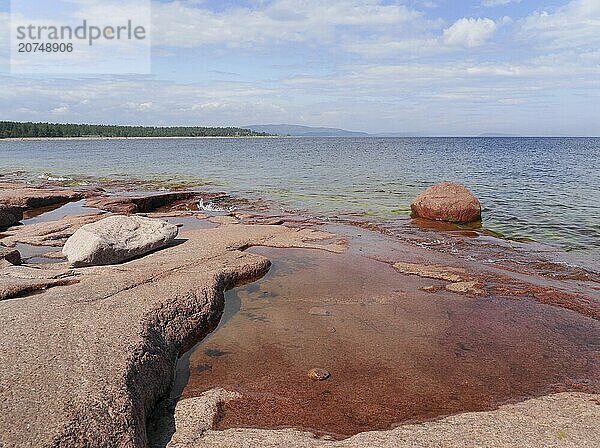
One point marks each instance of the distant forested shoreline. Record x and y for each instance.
(11, 129)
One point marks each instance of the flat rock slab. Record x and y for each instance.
(18, 195)
(567, 420)
(82, 365)
(19, 281)
(448, 273)
(17, 198)
(11, 288)
(49, 233)
(473, 287)
(116, 239)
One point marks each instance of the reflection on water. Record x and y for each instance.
(540, 188)
(57, 211)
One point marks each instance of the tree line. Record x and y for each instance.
(11, 129)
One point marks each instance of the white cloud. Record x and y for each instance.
(492, 3)
(577, 24)
(470, 32)
(61, 110)
(182, 25)
(407, 48)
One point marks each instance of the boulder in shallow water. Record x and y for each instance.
(116, 239)
(447, 201)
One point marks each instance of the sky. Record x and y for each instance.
(434, 67)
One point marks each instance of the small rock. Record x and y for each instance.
(13, 256)
(316, 311)
(447, 201)
(430, 288)
(318, 374)
(116, 239)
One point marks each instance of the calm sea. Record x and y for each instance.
(544, 189)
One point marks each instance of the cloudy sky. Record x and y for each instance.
(437, 67)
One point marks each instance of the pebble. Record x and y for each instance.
(318, 374)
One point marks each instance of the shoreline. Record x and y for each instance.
(172, 295)
(44, 139)
(416, 230)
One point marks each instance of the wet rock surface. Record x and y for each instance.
(398, 353)
(88, 354)
(449, 273)
(117, 238)
(560, 420)
(26, 197)
(472, 287)
(16, 199)
(447, 201)
(151, 202)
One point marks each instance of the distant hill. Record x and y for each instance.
(400, 134)
(303, 131)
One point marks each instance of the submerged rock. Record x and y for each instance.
(447, 201)
(448, 273)
(472, 287)
(116, 239)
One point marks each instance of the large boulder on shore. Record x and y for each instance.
(116, 239)
(447, 201)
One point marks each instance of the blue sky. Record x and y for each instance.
(437, 67)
